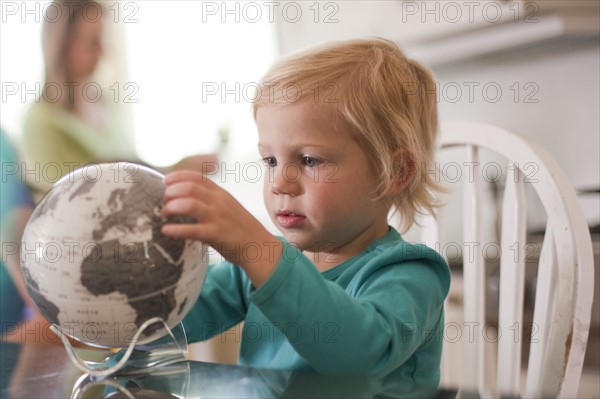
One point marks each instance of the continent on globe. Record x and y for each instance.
(95, 260)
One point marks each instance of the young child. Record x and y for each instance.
(347, 133)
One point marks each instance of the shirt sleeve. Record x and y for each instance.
(222, 303)
(370, 328)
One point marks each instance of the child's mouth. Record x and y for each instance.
(289, 219)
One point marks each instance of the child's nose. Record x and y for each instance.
(286, 180)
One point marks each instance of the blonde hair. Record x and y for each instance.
(389, 102)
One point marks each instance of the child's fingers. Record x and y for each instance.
(184, 206)
(182, 190)
(189, 231)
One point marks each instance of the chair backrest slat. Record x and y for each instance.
(474, 280)
(561, 336)
(542, 315)
(512, 283)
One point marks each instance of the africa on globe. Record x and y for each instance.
(96, 263)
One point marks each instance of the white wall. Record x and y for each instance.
(557, 106)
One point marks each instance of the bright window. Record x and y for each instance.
(195, 75)
(190, 70)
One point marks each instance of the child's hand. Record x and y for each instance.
(222, 222)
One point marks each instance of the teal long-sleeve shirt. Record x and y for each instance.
(378, 314)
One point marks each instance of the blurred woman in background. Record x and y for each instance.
(77, 120)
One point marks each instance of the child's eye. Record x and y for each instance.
(270, 161)
(311, 162)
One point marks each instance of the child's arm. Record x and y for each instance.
(222, 303)
(372, 325)
(379, 319)
(222, 222)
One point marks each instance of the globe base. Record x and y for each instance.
(170, 382)
(135, 359)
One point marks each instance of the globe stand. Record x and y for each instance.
(135, 359)
(171, 381)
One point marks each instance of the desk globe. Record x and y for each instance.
(96, 263)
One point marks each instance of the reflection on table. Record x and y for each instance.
(40, 371)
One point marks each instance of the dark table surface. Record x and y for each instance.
(45, 371)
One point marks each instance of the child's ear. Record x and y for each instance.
(404, 169)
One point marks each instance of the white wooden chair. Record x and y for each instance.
(564, 290)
